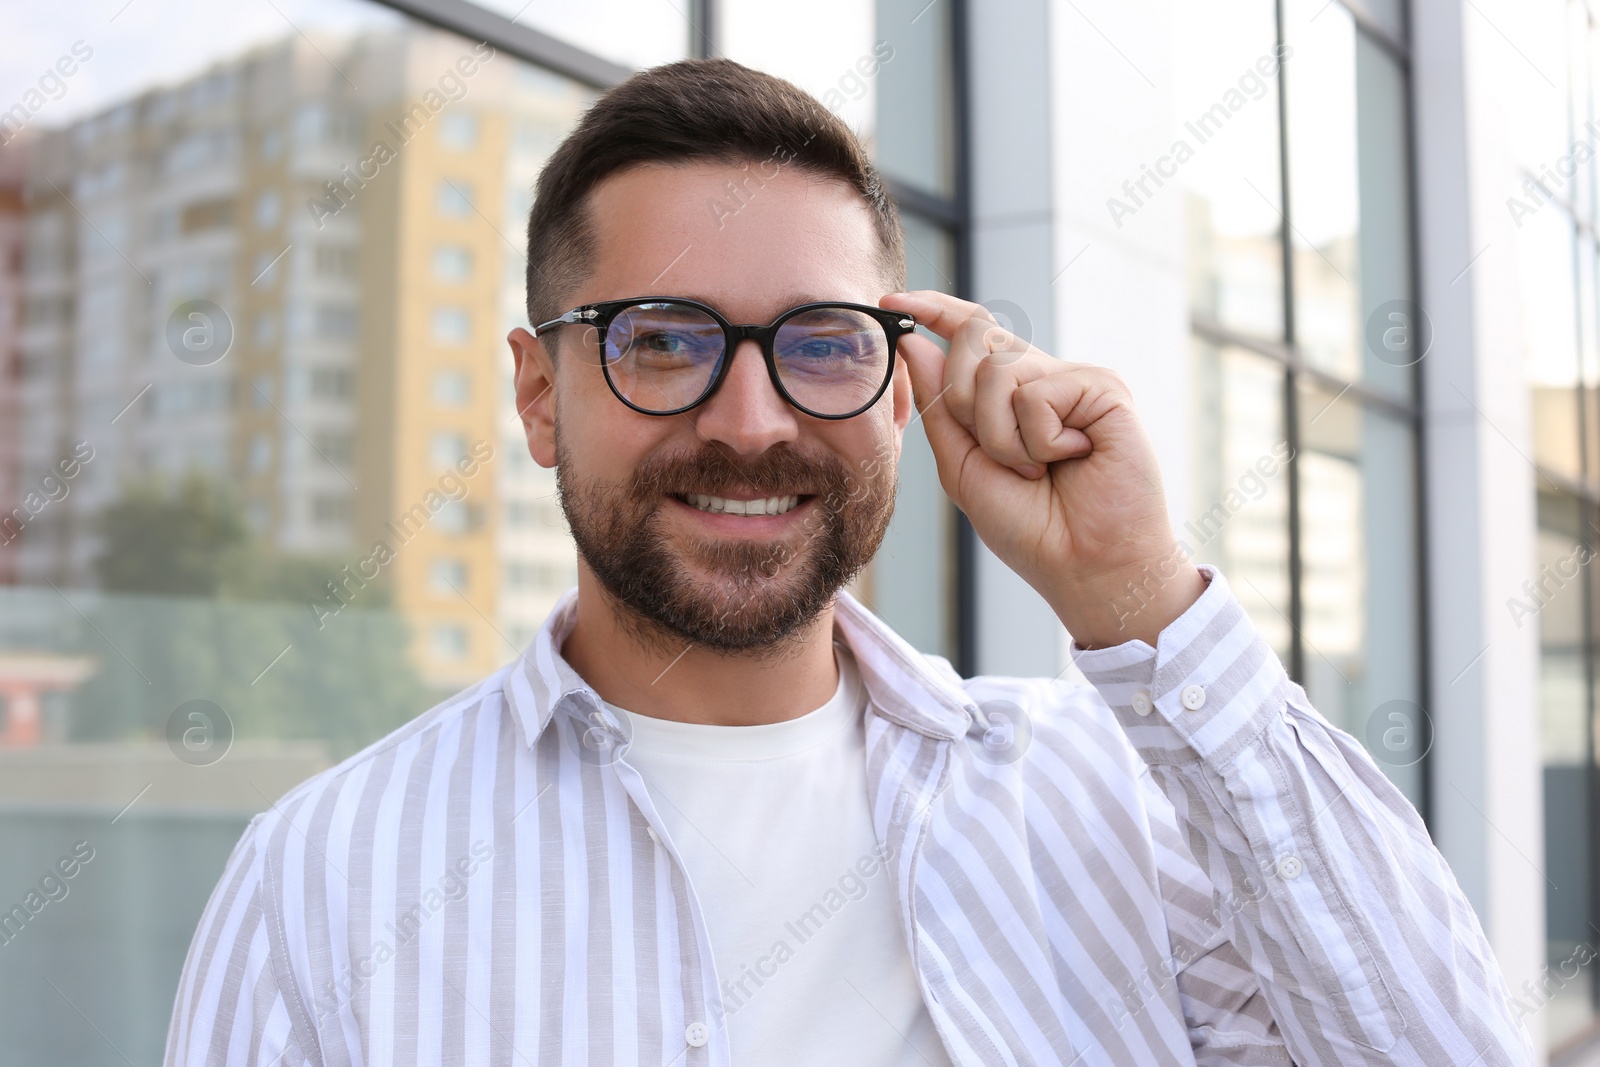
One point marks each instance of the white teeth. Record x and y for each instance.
(772, 505)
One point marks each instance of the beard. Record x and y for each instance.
(759, 595)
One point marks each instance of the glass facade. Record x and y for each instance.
(1305, 339)
(1557, 261)
(263, 493)
(264, 497)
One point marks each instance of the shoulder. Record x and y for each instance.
(329, 801)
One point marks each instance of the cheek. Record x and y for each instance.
(607, 441)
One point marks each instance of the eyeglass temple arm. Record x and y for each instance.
(575, 315)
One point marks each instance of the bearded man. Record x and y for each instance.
(718, 813)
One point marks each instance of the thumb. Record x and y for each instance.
(926, 362)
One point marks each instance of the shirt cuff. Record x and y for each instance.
(1209, 687)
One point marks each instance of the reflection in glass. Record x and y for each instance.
(831, 52)
(258, 359)
(915, 91)
(1358, 575)
(911, 582)
(625, 32)
(1239, 497)
(1229, 111)
(1384, 244)
(1324, 185)
(1349, 197)
(1545, 261)
(1555, 600)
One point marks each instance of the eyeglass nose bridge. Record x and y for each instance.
(736, 334)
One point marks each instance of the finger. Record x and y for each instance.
(950, 440)
(968, 350)
(994, 410)
(1043, 408)
(940, 312)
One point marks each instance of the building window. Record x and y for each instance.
(335, 322)
(266, 329)
(260, 456)
(332, 383)
(1558, 263)
(454, 198)
(330, 510)
(453, 519)
(1304, 427)
(451, 326)
(448, 576)
(335, 446)
(452, 263)
(449, 641)
(336, 261)
(268, 208)
(446, 449)
(458, 130)
(451, 388)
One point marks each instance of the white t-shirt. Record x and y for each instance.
(773, 827)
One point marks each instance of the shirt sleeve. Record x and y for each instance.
(230, 1010)
(1324, 884)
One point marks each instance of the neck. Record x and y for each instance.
(674, 679)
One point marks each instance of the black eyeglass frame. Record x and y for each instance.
(600, 315)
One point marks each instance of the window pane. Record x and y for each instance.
(1349, 202)
(1556, 602)
(1387, 356)
(829, 53)
(1589, 352)
(1545, 251)
(1227, 97)
(862, 60)
(632, 34)
(1239, 499)
(265, 366)
(913, 140)
(911, 582)
(1358, 560)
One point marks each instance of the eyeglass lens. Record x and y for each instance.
(662, 356)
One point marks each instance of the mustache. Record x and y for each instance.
(779, 471)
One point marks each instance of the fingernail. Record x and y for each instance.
(1028, 470)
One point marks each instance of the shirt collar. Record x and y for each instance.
(916, 691)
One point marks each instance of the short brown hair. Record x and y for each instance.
(694, 110)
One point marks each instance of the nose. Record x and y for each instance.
(746, 413)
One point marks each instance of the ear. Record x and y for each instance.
(904, 403)
(534, 375)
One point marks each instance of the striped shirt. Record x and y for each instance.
(1180, 862)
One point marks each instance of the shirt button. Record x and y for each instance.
(1141, 702)
(696, 1034)
(1290, 867)
(651, 830)
(1194, 697)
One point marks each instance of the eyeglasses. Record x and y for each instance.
(664, 355)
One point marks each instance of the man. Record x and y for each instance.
(717, 813)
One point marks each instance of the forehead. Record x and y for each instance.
(745, 239)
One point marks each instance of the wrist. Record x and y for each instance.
(1131, 603)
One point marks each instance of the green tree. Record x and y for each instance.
(201, 610)
(176, 543)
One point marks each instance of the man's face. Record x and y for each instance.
(736, 583)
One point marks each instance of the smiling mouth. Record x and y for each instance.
(772, 505)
